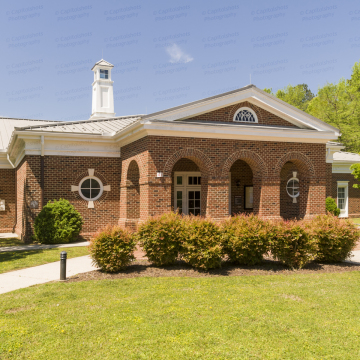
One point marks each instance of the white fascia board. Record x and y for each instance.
(237, 132)
(341, 168)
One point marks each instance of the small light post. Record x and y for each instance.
(63, 257)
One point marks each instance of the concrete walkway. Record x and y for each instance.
(40, 247)
(18, 279)
(7, 235)
(355, 258)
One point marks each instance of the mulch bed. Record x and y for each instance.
(142, 268)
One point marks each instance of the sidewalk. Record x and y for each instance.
(40, 247)
(44, 273)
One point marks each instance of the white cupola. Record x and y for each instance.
(102, 91)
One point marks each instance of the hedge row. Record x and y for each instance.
(243, 239)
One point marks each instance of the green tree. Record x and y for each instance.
(356, 172)
(298, 95)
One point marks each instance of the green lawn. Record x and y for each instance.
(16, 260)
(294, 316)
(356, 220)
(11, 242)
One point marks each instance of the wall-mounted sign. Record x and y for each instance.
(237, 200)
(34, 204)
(2, 205)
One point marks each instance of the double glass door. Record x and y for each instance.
(187, 193)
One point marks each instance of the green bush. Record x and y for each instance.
(160, 237)
(112, 248)
(202, 243)
(57, 223)
(245, 239)
(335, 237)
(331, 206)
(292, 244)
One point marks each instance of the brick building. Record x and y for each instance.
(238, 152)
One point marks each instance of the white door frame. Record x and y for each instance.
(343, 184)
(185, 189)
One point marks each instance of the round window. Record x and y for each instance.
(293, 187)
(90, 188)
(246, 115)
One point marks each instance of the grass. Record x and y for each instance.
(11, 242)
(356, 220)
(247, 317)
(16, 260)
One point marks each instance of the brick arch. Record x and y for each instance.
(254, 160)
(126, 163)
(198, 157)
(302, 162)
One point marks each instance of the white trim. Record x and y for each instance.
(249, 110)
(101, 188)
(343, 184)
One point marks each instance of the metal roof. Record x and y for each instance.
(99, 126)
(7, 127)
(343, 156)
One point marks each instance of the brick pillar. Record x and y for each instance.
(215, 197)
(314, 203)
(29, 197)
(269, 198)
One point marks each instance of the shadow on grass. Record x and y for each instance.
(19, 255)
(10, 242)
(143, 268)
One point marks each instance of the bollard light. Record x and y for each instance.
(63, 257)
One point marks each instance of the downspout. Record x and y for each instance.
(15, 175)
(42, 165)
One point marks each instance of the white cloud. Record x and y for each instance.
(177, 55)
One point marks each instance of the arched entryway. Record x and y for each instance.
(296, 173)
(189, 171)
(133, 192)
(245, 171)
(241, 195)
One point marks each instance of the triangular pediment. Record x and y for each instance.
(103, 62)
(249, 95)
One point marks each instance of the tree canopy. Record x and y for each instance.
(337, 104)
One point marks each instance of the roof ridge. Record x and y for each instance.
(80, 122)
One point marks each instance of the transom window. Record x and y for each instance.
(104, 74)
(90, 188)
(293, 187)
(194, 180)
(245, 115)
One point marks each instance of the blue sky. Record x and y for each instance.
(167, 53)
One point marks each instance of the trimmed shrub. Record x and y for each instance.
(57, 223)
(292, 244)
(331, 206)
(202, 244)
(160, 237)
(245, 239)
(335, 237)
(112, 248)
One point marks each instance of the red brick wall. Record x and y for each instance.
(63, 171)
(28, 190)
(226, 114)
(7, 193)
(354, 194)
(214, 158)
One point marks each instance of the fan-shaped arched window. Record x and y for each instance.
(245, 115)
